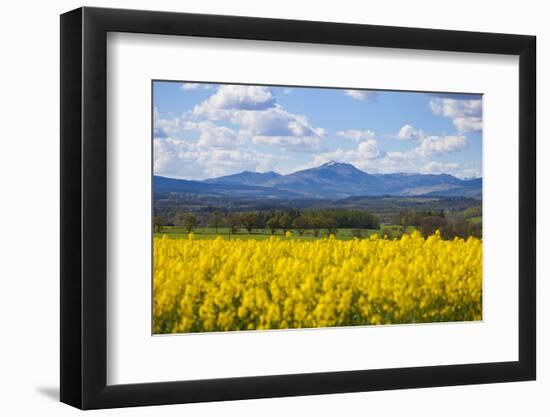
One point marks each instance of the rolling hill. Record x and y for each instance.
(332, 180)
(245, 178)
(174, 185)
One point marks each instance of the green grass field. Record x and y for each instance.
(475, 220)
(261, 234)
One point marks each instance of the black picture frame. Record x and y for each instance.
(84, 207)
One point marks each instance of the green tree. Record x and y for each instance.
(249, 220)
(285, 222)
(331, 225)
(272, 224)
(234, 221)
(315, 222)
(158, 224)
(188, 222)
(216, 220)
(429, 224)
(300, 223)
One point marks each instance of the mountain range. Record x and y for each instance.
(332, 180)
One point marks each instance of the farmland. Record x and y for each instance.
(225, 233)
(203, 285)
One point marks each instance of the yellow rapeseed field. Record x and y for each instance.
(281, 283)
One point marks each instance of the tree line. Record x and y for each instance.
(316, 220)
(299, 220)
(427, 222)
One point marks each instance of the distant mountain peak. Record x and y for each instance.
(336, 164)
(332, 180)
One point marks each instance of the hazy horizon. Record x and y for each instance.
(326, 163)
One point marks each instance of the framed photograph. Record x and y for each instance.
(257, 208)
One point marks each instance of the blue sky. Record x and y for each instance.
(209, 130)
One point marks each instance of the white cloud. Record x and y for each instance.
(365, 151)
(448, 107)
(408, 132)
(440, 145)
(223, 162)
(291, 143)
(213, 136)
(435, 167)
(430, 146)
(274, 121)
(235, 97)
(370, 158)
(468, 124)
(275, 126)
(338, 155)
(272, 126)
(471, 170)
(189, 86)
(260, 118)
(466, 114)
(165, 127)
(361, 95)
(471, 173)
(210, 134)
(356, 135)
(398, 156)
(176, 158)
(453, 168)
(416, 159)
(218, 150)
(168, 156)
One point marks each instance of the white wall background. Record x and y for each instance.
(29, 172)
